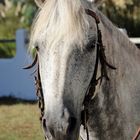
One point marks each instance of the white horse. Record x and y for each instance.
(67, 39)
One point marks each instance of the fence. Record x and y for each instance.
(7, 41)
(14, 81)
(136, 41)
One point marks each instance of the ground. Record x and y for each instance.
(19, 120)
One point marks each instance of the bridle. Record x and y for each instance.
(100, 59)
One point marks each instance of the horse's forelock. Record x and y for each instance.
(60, 19)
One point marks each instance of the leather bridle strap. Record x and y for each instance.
(137, 135)
(100, 57)
(39, 92)
(93, 83)
(93, 14)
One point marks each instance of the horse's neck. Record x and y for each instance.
(117, 45)
(120, 52)
(114, 111)
(123, 54)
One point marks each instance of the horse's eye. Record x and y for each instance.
(91, 45)
(37, 48)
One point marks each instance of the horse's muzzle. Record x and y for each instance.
(62, 130)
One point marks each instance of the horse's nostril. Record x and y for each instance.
(72, 124)
(52, 131)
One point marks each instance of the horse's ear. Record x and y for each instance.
(39, 3)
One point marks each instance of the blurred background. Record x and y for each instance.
(19, 118)
(14, 14)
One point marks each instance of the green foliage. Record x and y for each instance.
(126, 16)
(19, 15)
(27, 11)
(7, 50)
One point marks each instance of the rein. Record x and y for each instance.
(100, 59)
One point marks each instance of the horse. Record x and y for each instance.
(88, 73)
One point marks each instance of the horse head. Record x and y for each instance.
(70, 55)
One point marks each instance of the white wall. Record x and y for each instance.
(14, 80)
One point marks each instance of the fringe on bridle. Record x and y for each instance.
(39, 92)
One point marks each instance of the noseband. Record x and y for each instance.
(100, 59)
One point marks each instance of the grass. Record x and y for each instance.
(19, 120)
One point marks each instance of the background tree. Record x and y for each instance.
(14, 14)
(125, 14)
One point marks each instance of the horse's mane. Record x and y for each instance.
(61, 20)
(65, 21)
